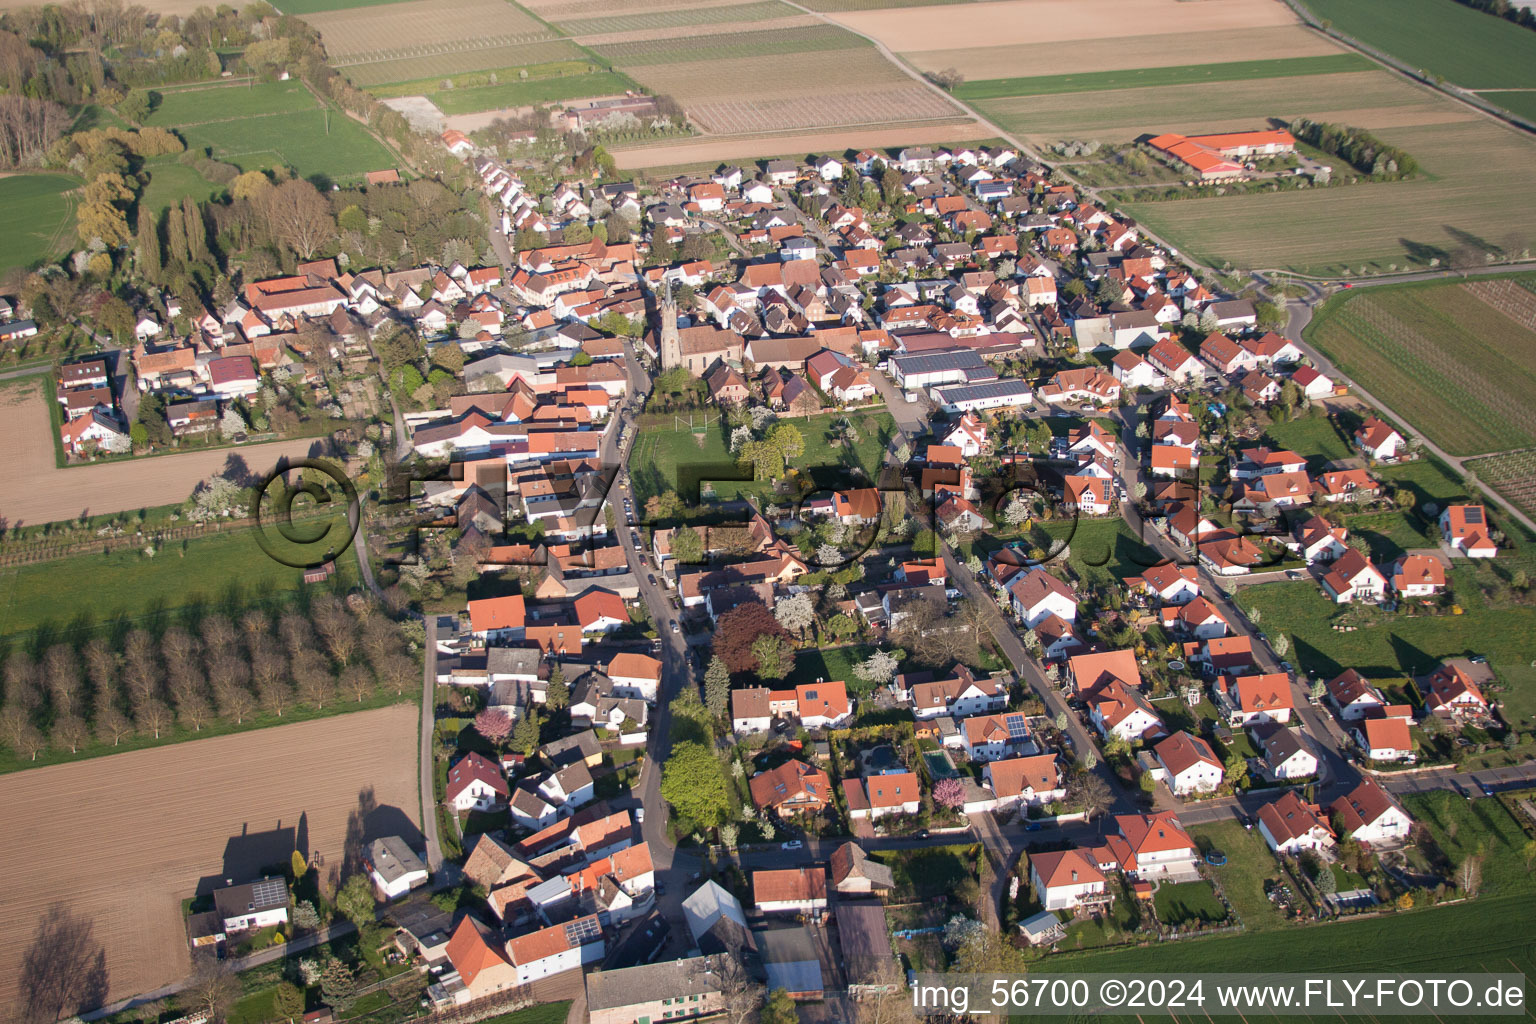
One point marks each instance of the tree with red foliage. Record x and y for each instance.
(738, 629)
(494, 724)
(949, 793)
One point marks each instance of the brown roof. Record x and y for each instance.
(789, 884)
(1291, 816)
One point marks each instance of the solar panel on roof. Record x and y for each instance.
(1018, 729)
(1475, 515)
(269, 891)
(582, 930)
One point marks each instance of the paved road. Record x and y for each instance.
(426, 759)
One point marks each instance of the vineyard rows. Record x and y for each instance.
(1370, 349)
(1509, 298)
(1512, 474)
(434, 49)
(460, 62)
(899, 105)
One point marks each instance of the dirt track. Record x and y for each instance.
(121, 840)
(34, 490)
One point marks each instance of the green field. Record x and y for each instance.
(230, 102)
(1183, 74)
(1463, 828)
(522, 94)
(169, 181)
(84, 591)
(314, 143)
(1249, 864)
(1522, 103)
(660, 453)
(35, 217)
(834, 6)
(1468, 47)
(815, 663)
(763, 10)
(1467, 370)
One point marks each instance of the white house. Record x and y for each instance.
(750, 710)
(1285, 753)
(1312, 383)
(1191, 765)
(1378, 440)
(1038, 595)
(991, 737)
(569, 788)
(1371, 814)
(635, 675)
(879, 795)
(1132, 371)
(394, 867)
(1158, 847)
(556, 949)
(1353, 695)
(1290, 825)
(252, 905)
(1465, 529)
(1353, 578)
(475, 784)
(1066, 879)
(1385, 738)
(1024, 780)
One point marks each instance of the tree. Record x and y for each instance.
(298, 217)
(1469, 874)
(1017, 510)
(879, 667)
(305, 916)
(214, 988)
(738, 629)
(948, 78)
(694, 783)
(949, 793)
(1089, 794)
(288, 1001)
(796, 613)
(1280, 644)
(780, 1009)
(687, 546)
(494, 724)
(742, 994)
(337, 984)
(1327, 882)
(1236, 771)
(717, 687)
(557, 695)
(773, 656)
(960, 929)
(787, 441)
(525, 735)
(355, 900)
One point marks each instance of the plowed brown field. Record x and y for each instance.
(122, 840)
(35, 490)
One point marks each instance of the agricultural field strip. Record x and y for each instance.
(1515, 299)
(730, 46)
(604, 8)
(1181, 74)
(1512, 474)
(424, 23)
(837, 6)
(685, 32)
(461, 62)
(437, 49)
(1465, 46)
(911, 105)
(762, 10)
(1113, 53)
(1433, 352)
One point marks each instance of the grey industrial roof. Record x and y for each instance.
(933, 362)
(991, 389)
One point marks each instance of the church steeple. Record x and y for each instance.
(670, 348)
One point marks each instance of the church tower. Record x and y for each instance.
(670, 348)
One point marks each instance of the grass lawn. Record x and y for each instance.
(315, 143)
(1182, 902)
(230, 102)
(1466, 46)
(932, 871)
(1466, 369)
(85, 591)
(1249, 864)
(170, 181)
(544, 1013)
(1465, 827)
(35, 217)
(1180, 74)
(670, 456)
(256, 1008)
(1103, 549)
(831, 663)
(1317, 438)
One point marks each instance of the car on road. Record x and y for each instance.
(1033, 826)
(793, 844)
(1294, 574)
(650, 578)
(1487, 789)
(675, 628)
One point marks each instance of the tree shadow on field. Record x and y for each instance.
(368, 821)
(64, 970)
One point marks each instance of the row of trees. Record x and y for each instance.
(223, 671)
(1360, 148)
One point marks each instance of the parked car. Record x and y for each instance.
(793, 844)
(675, 628)
(1033, 826)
